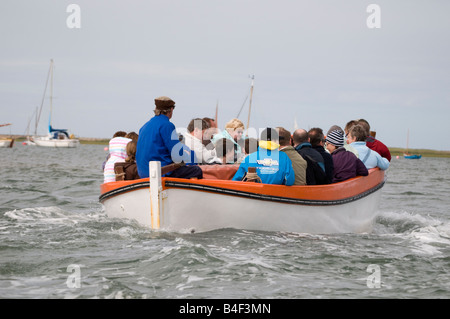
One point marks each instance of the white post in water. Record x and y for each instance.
(155, 192)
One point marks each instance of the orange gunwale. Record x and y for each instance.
(331, 192)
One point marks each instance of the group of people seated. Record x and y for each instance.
(277, 156)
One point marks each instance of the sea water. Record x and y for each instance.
(57, 242)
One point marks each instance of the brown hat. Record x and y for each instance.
(164, 103)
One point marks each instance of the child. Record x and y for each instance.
(128, 169)
(117, 153)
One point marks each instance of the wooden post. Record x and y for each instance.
(155, 193)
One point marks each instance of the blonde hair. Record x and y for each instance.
(235, 124)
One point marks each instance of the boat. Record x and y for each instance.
(29, 139)
(6, 142)
(217, 202)
(406, 154)
(413, 156)
(55, 137)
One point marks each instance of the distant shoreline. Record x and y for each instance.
(395, 151)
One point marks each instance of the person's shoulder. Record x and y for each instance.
(290, 151)
(316, 153)
(282, 154)
(187, 137)
(325, 154)
(378, 141)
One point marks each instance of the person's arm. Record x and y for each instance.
(179, 152)
(382, 162)
(240, 173)
(290, 174)
(384, 151)
(361, 169)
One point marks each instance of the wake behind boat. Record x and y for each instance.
(55, 137)
(215, 202)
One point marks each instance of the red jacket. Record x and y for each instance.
(379, 147)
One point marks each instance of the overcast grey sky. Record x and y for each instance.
(314, 61)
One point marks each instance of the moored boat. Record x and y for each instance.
(215, 202)
(406, 154)
(413, 156)
(6, 142)
(55, 137)
(56, 140)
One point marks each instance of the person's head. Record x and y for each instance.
(131, 151)
(225, 150)
(316, 137)
(284, 136)
(349, 125)
(334, 140)
(132, 135)
(365, 125)
(300, 136)
(235, 128)
(335, 127)
(211, 131)
(212, 123)
(164, 105)
(250, 145)
(357, 133)
(270, 135)
(197, 127)
(120, 134)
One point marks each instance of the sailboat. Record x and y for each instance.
(6, 142)
(55, 137)
(406, 154)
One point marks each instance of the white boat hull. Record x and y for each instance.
(196, 206)
(194, 212)
(6, 143)
(64, 143)
(188, 211)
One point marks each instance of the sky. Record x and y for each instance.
(316, 63)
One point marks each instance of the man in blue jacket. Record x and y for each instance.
(158, 141)
(272, 166)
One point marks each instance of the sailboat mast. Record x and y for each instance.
(407, 142)
(250, 103)
(51, 98)
(38, 115)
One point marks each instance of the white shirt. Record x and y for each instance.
(204, 156)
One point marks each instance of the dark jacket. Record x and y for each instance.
(306, 149)
(328, 161)
(347, 165)
(315, 171)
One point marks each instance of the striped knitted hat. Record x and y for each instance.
(336, 138)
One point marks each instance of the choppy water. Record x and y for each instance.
(56, 242)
